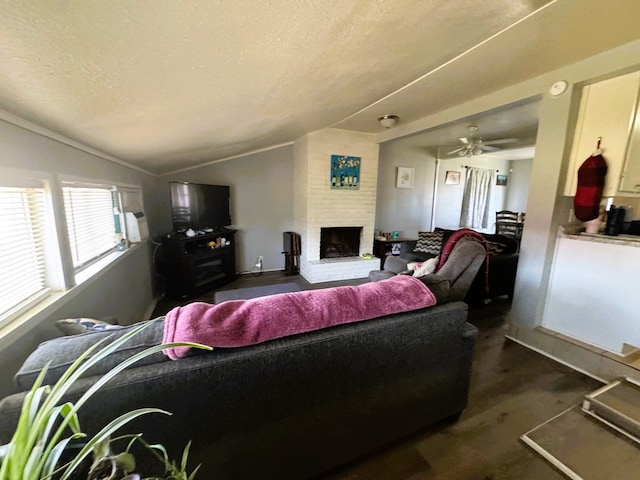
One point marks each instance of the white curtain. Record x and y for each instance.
(477, 198)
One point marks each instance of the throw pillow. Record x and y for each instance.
(429, 242)
(420, 269)
(74, 326)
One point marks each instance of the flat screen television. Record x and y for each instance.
(199, 206)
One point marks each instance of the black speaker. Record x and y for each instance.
(291, 246)
(615, 220)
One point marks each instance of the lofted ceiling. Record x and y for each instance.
(166, 85)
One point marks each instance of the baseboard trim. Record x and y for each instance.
(556, 359)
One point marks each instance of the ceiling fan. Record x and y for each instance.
(474, 145)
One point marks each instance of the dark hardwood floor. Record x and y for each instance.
(513, 389)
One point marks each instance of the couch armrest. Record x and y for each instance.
(470, 331)
(439, 286)
(395, 264)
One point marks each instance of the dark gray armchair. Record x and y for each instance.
(453, 280)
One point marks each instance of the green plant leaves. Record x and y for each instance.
(38, 442)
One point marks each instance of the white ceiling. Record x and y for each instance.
(165, 85)
(519, 122)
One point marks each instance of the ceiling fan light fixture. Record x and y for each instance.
(473, 144)
(388, 121)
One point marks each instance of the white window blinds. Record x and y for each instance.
(22, 222)
(89, 211)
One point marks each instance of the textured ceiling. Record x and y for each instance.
(165, 85)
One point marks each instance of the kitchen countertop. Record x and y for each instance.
(574, 233)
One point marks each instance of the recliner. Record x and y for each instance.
(458, 271)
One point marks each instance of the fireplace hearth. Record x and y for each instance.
(338, 242)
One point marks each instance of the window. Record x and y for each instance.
(34, 262)
(22, 221)
(92, 225)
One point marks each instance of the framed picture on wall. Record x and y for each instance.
(345, 172)
(405, 177)
(501, 180)
(452, 178)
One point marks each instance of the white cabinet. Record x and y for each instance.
(630, 181)
(606, 111)
(593, 294)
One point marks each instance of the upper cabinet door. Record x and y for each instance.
(606, 111)
(630, 181)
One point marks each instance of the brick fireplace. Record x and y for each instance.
(319, 206)
(338, 242)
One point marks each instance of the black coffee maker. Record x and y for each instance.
(615, 220)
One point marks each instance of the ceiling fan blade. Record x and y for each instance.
(489, 148)
(464, 140)
(500, 141)
(456, 150)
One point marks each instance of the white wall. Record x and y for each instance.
(407, 210)
(261, 202)
(518, 185)
(449, 197)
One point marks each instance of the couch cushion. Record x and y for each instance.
(62, 352)
(429, 242)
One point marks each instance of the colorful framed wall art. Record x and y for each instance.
(345, 172)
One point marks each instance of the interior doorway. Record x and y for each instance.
(510, 192)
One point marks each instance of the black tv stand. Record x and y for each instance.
(201, 263)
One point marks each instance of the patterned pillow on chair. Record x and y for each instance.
(429, 242)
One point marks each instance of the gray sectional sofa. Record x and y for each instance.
(288, 408)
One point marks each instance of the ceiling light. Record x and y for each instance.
(388, 121)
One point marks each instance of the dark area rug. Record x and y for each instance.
(253, 292)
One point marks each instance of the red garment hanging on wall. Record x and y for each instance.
(591, 175)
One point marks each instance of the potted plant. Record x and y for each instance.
(48, 427)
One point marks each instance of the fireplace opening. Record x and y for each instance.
(336, 242)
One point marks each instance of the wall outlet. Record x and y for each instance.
(259, 262)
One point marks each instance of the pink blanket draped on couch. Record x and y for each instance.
(238, 323)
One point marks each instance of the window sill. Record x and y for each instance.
(24, 323)
(95, 268)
